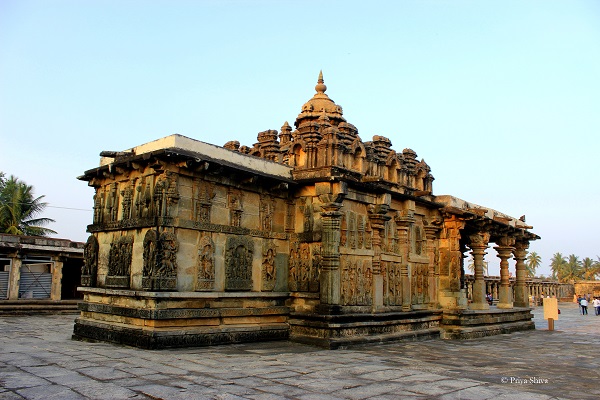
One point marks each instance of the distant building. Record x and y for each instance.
(34, 267)
(312, 234)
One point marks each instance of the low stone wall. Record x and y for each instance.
(587, 287)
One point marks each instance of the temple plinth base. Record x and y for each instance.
(468, 324)
(340, 329)
(156, 320)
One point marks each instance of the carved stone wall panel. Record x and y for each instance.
(290, 216)
(166, 273)
(89, 270)
(204, 193)
(306, 207)
(266, 212)
(360, 239)
(119, 262)
(127, 200)
(392, 278)
(144, 203)
(160, 261)
(149, 256)
(344, 230)
(352, 229)
(206, 264)
(356, 281)
(235, 202)
(419, 283)
(304, 267)
(268, 268)
(239, 252)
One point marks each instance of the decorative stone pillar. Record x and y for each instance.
(56, 289)
(479, 243)
(14, 277)
(520, 253)
(505, 249)
(377, 219)
(330, 265)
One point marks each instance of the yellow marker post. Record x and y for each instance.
(550, 311)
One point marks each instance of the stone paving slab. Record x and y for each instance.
(38, 360)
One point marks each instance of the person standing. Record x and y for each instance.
(596, 304)
(583, 303)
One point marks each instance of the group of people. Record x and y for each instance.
(584, 301)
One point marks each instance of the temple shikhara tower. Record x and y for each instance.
(311, 234)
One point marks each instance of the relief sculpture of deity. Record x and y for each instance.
(238, 263)
(160, 261)
(206, 264)
(89, 270)
(119, 262)
(269, 276)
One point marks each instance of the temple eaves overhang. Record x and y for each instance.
(191, 150)
(454, 205)
(39, 244)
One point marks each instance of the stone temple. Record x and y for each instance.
(311, 235)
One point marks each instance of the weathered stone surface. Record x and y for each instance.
(348, 231)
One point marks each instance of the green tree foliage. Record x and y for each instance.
(590, 269)
(533, 262)
(557, 264)
(574, 269)
(20, 210)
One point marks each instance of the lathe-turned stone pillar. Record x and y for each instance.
(520, 253)
(479, 243)
(505, 249)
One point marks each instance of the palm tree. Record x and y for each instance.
(557, 264)
(571, 270)
(534, 260)
(19, 209)
(590, 269)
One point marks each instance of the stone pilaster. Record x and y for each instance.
(450, 293)
(520, 253)
(431, 233)
(377, 220)
(505, 249)
(330, 265)
(479, 243)
(404, 221)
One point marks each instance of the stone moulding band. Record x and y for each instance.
(179, 313)
(152, 340)
(181, 295)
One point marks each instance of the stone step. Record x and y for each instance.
(36, 307)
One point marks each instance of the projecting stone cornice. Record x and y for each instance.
(193, 153)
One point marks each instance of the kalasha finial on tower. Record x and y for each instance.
(321, 88)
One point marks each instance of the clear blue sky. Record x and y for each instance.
(499, 97)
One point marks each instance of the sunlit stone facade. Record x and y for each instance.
(311, 234)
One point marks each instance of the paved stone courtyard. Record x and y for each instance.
(38, 360)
